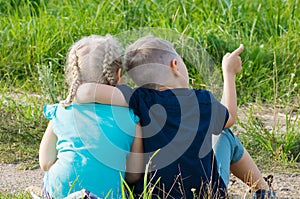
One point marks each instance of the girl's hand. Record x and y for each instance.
(64, 104)
(232, 63)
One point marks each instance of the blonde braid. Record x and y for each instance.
(108, 76)
(74, 67)
(91, 59)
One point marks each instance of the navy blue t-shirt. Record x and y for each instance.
(180, 123)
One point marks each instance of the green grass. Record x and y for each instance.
(21, 195)
(21, 125)
(280, 141)
(36, 34)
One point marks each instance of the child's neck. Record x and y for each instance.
(166, 87)
(174, 83)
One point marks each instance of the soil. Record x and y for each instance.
(285, 184)
(13, 180)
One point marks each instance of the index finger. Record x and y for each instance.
(239, 50)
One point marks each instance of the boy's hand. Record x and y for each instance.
(232, 63)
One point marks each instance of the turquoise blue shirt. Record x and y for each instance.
(93, 142)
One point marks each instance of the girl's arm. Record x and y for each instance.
(48, 152)
(101, 93)
(135, 160)
(231, 65)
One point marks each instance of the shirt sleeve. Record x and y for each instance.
(126, 91)
(219, 115)
(134, 117)
(130, 98)
(226, 117)
(50, 111)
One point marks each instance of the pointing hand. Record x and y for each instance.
(232, 62)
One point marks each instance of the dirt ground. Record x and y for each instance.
(12, 179)
(286, 185)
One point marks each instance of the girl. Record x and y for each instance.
(87, 146)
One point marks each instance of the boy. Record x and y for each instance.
(180, 122)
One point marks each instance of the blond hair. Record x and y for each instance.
(92, 59)
(145, 60)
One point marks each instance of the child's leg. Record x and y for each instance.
(223, 153)
(246, 170)
(231, 156)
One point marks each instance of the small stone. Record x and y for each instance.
(285, 189)
(294, 175)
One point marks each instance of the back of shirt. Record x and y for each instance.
(179, 122)
(93, 143)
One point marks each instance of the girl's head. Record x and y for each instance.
(92, 59)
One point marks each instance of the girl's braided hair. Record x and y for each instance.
(92, 59)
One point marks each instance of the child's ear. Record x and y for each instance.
(174, 67)
(118, 74)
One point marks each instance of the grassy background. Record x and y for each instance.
(36, 34)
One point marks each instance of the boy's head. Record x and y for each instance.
(92, 59)
(149, 62)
